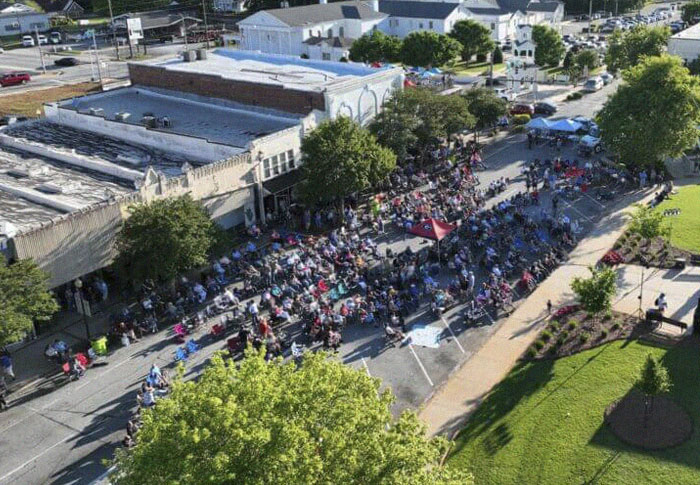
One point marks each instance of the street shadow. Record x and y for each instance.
(86, 469)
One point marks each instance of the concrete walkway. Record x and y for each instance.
(450, 407)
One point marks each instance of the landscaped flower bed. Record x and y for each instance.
(576, 331)
(657, 252)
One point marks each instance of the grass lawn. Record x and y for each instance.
(685, 232)
(28, 103)
(543, 424)
(475, 68)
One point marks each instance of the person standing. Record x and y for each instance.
(3, 393)
(6, 363)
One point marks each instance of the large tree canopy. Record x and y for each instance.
(582, 6)
(165, 238)
(340, 158)
(413, 120)
(425, 48)
(269, 423)
(24, 298)
(654, 114)
(549, 46)
(690, 12)
(486, 106)
(475, 38)
(626, 49)
(376, 47)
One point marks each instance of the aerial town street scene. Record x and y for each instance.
(349, 242)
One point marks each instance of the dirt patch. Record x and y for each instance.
(632, 248)
(28, 103)
(662, 424)
(572, 330)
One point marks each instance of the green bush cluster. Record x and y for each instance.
(521, 119)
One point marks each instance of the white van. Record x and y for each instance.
(593, 84)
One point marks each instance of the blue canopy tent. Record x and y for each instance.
(566, 125)
(539, 124)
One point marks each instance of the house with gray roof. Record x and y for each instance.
(504, 16)
(409, 16)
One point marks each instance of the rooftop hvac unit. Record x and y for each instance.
(166, 122)
(49, 188)
(18, 173)
(96, 111)
(189, 56)
(149, 121)
(122, 116)
(201, 54)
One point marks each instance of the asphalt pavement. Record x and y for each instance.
(63, 437)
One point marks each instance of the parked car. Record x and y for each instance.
(607, 78)
(593, 84)
(522, 109)
(42, 39)
(27, 41)
(504, 93)
(545, 108)
(589, 144)
(14, 78)
(67, 61)
(55, 38)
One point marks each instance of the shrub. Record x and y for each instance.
(607, 316)
(596, 292)
(576, 95)
(519, 129)
(564, 335)
(560, 341)
(554, 326)
(604, 334)
(552, 350)
(572, 325)
(617, 245)
(497, 56)
(648, 223)
(531, 353)
(546, 336)
(521, 119)
(539, 345)
(481, 58)
(584, 337)
(589, 316)
(616, 326)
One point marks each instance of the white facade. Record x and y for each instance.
(23, 23)
(18, 8)
(235, 6)
(403, 26)
(686, 44)
(524, 47)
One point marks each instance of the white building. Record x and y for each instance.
(23, 23)
(686, 44)
(299, 30)
(405, 17)
(235, 6)
(7, 7)
(524, 47)
(503, 16)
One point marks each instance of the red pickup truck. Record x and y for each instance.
(14, 78)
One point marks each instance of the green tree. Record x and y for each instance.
(587, 58)
(270, 423)
(165, 238)
(568, 60)
(694, 66)
(549, 47)
(656, 85)
(497, 56)
(341, 158)
(626, 49)
(24, 298)
(414, 120)
(652, 382)
(648, 223)
(596, 292)
(101, 7)
(690, 12)
(486, 107)
(475, 38)
(425, 49)
(375, 47)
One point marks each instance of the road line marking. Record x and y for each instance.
(601, 205)
(447, 325)
(364, 363)
(425, 372)
(578, 211)
(490, 317)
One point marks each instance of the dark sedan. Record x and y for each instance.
(545, 108)
(67, 61)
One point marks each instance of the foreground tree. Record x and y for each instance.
(596, 292)
(690, 12)
(414, 120)
(165, 238)
(474, 37)
(626, 49)
(486, 107)
(652, 382)
(24, 298)
(587, 59)
(425, 48)
(549, 46)
(375, 47)
(654, 115)
(339, 159)
(268, 423)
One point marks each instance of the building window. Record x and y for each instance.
(266, 168)
(12, 27)
(529, 53)
(493, 26)
(274, 161)
(290, 159)
(420, 25)
(283, 162)
(515, 52)
(341, 32)
(311, 33)
(326, 56)
(39, 26)
(330, 32)
(430, 25)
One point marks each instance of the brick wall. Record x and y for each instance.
(277, 97)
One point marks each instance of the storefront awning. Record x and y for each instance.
(282, 182)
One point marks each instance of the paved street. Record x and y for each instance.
(62, 437)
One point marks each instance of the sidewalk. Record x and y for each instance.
(451, 406)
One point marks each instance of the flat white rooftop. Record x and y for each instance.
(691, 33)
(288, 71)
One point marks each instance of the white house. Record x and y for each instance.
(235, 6)
(410, 16)
(23, 23)
(503, 16)
(524, 47)
(7, 7)
(324, 31)
(686, 43)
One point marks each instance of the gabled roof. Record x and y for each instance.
(417, 10)
(330, 41)
(50, 6)
(319, 13)
(543, 6)
(159, 18)
(487, 11)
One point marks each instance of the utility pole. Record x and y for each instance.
(41, 53)
(114, 30)
(616, 8)
(590, 16)
(184, 25)
(206, 25)
(97, 57)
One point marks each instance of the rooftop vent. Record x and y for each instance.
(49, 188)
(189, 56)
(96, 111)
(149, 121)
(18, 173)
(201, 54)
(122, 116)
